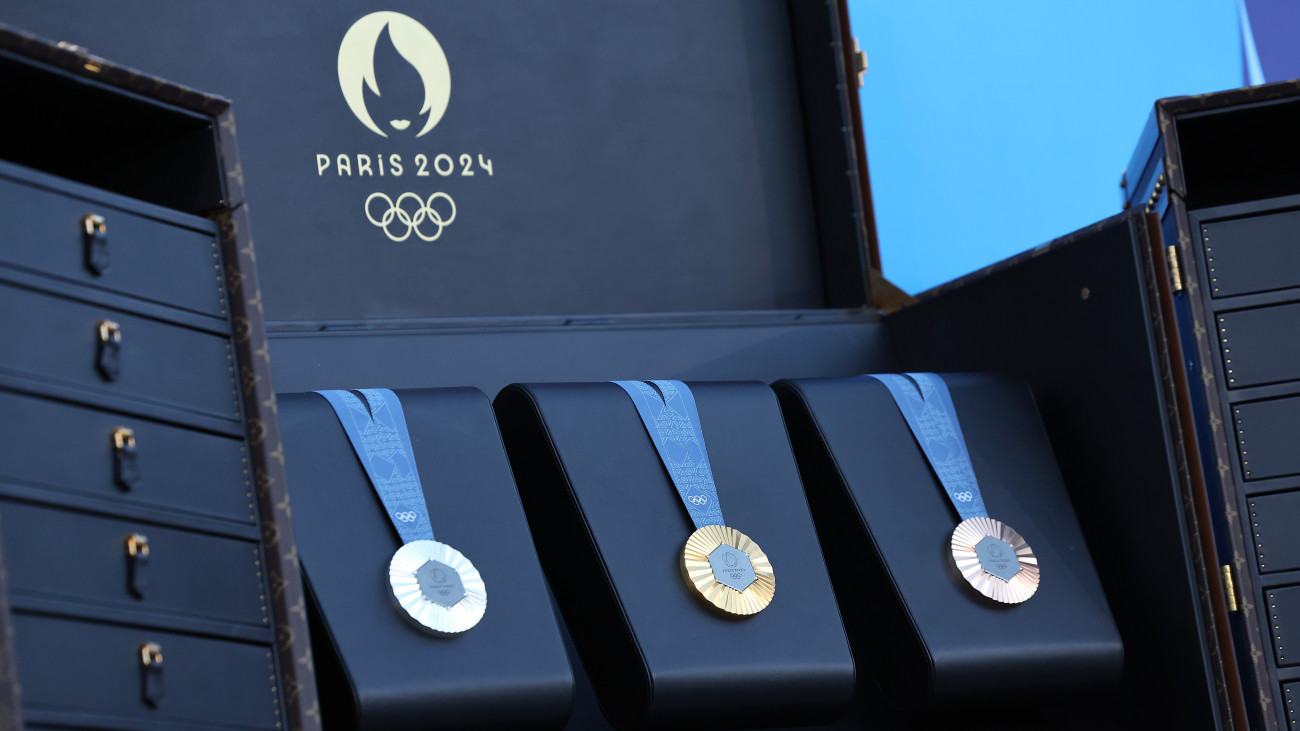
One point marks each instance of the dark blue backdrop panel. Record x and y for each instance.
(642, 156)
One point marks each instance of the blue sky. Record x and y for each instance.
(995, 126)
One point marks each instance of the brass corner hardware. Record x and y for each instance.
(859, 63)
(1230, 588)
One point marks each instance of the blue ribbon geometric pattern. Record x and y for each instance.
(377, 429)
(926, 405)
(673, 423)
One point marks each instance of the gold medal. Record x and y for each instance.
(437, 587)
(995, 560)
(728, 571)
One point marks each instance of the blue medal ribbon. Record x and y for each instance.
(376, 427)
(673, 423)
(927, 407)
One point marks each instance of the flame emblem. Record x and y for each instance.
(415, 44)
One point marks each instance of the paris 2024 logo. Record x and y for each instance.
(416, 45)
(400, 113)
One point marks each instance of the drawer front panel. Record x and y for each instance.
(49, 337)
(85, 558)
(1284, 616)
(1266, 437)
(72, 448)
(147, 258)
(1277, 543)
(1291, 694)
(1260, 345)
(71, 665)
(1255, 254)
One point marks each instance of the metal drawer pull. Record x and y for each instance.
(137, 564)
(95, 235)
(108, 358)
(151, 674)
(126, 463)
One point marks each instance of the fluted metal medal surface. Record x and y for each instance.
(437, 587)
(728, 571)
(995, 559)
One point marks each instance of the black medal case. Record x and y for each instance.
(610, 528)
(653, 189)
(376, 669)
(885, 522)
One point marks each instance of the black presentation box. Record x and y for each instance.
(697, 162)
(1161, 347)
(885, 523)
(375, 669)
(610, 527)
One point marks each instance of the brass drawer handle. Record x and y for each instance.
(126, 462)
(151, 674)
(109, 331)
(137, 564)
(95, 236)
(108, 356)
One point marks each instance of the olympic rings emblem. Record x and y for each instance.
(698, 499)
(424, 211)
(965, 496)
(406, 516)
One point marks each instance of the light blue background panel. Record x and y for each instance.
(993, 127)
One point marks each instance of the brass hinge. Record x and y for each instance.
(859, 63)
(1175, 270)
(1229, 587)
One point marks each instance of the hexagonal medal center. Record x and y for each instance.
(440, 583)
(997, 557)
(732, 567)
